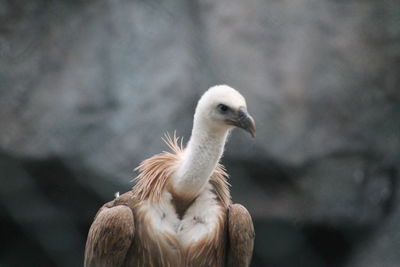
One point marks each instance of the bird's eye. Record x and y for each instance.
(223, 108)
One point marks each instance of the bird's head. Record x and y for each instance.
(222, 107)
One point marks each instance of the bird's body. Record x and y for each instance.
(179, 213)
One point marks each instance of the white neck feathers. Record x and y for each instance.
(203, 152)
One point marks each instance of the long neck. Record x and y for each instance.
(200, 158)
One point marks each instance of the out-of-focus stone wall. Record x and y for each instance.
(87, 88)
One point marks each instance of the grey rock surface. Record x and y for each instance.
(96, 84)
(382, 248)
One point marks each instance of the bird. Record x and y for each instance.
(180, 212)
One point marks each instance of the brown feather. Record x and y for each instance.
(241, 236)
(110, 237)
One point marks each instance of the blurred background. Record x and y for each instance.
(88, 88)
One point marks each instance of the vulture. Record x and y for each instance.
(179, 212)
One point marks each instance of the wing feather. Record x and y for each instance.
(110, 237)
(241, 236)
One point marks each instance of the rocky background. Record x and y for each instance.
(87, 88)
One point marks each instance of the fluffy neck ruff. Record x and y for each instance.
(157, 172)
(200, 158)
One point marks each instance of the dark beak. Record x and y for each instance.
(245, 121)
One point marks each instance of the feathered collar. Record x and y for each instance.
(156, 171)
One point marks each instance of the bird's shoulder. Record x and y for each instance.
(241, 236)
(111, 233)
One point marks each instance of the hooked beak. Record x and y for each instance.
(244, 120)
